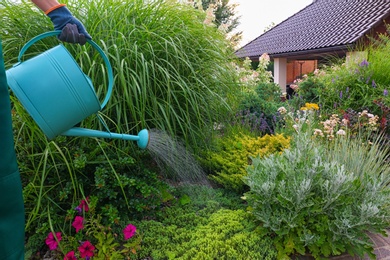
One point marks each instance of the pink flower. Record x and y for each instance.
(86, 249)
(294, 87)
(70, 256)
(84, 205)
(129, 231)
(51, 241)
(78, 223)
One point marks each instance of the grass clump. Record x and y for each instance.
(172, 71)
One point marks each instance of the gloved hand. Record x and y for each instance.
(74, 32)
(71, 34)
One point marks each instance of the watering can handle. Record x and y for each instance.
(102, 54)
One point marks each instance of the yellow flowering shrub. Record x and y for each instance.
(227, 163)
(310, 106)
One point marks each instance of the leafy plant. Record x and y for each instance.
(318, 198)
(260, 99)
(341, 87)
(378, 56)
(233, 153)
(204, 228)
(258, 109)
(90, 238)
(308, 89)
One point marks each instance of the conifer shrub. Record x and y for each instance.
(224, 234)
(203, 223)
(227, 162)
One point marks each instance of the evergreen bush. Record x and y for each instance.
(227, 162)
(203, 223)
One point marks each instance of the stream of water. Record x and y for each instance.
(171, 154)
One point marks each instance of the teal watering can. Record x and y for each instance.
(58, 95)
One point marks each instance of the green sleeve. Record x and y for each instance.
(11, 195)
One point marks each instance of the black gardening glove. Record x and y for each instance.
(73, 30)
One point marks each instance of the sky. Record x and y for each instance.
(256, 15)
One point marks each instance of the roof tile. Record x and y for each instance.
(322, 24)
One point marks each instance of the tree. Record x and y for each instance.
(225, 16)
(224, 12)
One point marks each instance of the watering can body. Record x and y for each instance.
(58, 95)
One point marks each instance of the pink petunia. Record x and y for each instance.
(70, 256)
(84, 205)
(86, 249)
(51, 241)
(78, 223)
(129, 231)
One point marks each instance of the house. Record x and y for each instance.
(322, 30)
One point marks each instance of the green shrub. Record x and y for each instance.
(125, 188)
(347, 90)
(379, 58)
(350, 87)
(321, 198)
(265, 99)
(233, 153)
(258, 109)
(206, 197)
(308, 91)
(225, 234)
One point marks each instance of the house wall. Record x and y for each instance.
(380, 29)
(294, 69)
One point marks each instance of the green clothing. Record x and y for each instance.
(11, 194)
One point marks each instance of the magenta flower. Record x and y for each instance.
(129, 231)
(70, 256)
(51, 241)
(78, 223)
(84, 205)
(86, 249)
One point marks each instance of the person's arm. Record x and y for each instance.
(46, 5)
(73, 30)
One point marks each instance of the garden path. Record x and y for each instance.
(381, 246)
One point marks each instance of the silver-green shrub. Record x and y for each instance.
(321, 198)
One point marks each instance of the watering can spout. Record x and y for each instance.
(142, 138)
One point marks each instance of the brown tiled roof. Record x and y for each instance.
(322, 25)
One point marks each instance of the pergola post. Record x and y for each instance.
(280, 73)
